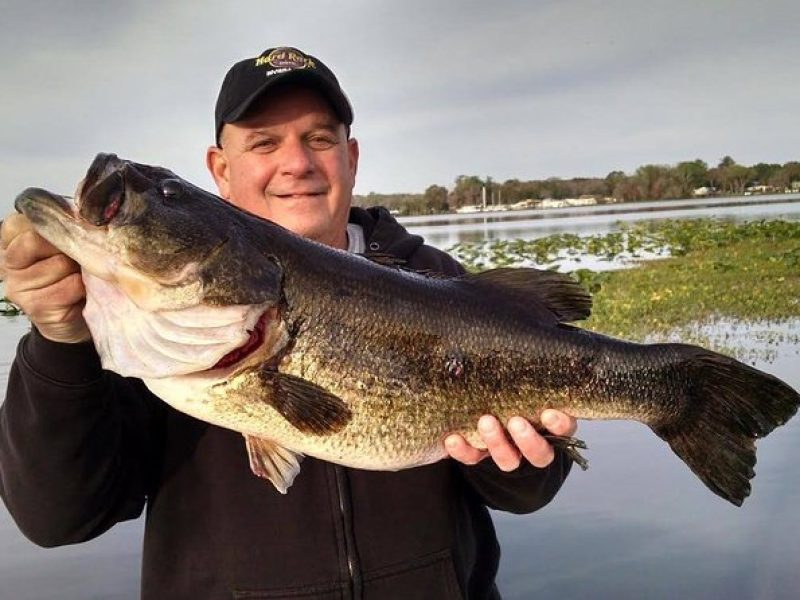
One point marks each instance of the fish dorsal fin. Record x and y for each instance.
(308, 407)
(384, 259)
(400, 264)
(557, 292)
(273, 462)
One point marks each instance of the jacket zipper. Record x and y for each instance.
(346, 513)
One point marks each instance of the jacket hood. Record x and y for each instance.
(384, 234)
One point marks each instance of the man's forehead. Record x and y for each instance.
(291, 101)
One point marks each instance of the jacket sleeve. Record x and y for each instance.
(523, 490)
(76, 443)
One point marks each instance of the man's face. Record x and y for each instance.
(290, 161)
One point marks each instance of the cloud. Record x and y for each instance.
(512, 89)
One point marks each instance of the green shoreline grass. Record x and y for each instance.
(746, 281)
(745, 272)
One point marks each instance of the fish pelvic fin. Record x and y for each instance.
(557, 292)
(730, 406)
(273, 462)
(307, 406)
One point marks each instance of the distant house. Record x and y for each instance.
(553, 203)
(527, 203)
(702, 192)
(581, 201)
(759, 189)
(584, 200)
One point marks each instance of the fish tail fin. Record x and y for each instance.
(729, 406)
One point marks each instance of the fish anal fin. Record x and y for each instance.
(307, 406)
(273, 462)
(557, 292)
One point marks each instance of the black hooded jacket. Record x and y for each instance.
(82, 449)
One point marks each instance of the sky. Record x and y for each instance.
(516, 89)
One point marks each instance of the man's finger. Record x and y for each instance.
(533, 446)
(45, 273)
(27, 248)
(559, 423)
(502, 451)
(458, 449)
(11, 226)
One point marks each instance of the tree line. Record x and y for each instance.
(648, 182)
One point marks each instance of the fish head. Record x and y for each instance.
(182, 270)
(167, 243)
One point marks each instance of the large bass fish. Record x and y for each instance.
(305, 349)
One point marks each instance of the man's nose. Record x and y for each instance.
(297, 158)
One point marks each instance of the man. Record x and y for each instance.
(82, 449)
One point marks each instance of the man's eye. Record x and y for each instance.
(321, 142)
(264, 145)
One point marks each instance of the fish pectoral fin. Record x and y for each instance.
(273, 462)
(534, 288)
(307, 406)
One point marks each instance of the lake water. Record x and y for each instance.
(444, 231)
(637, 524)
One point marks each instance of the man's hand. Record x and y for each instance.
(42, 281)
(508, 449)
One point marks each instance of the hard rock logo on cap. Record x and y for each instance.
(286, 58)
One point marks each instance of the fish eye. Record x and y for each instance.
(172, 188)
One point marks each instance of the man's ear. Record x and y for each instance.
(352, 154)
(217, 164)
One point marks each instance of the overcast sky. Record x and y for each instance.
(518, 89)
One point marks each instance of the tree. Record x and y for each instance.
(764, 172)
(467, 191)
(726, 161)
(512, 191)
(613, 180)
(434, 199)
(690, 175)
(732, 179)
(652, 181)
(788, 173)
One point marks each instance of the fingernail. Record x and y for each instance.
(451, 442)
(518, 425)
(550, 419)
(486, 424)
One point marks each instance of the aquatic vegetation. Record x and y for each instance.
(630, 241)
(8, 308)
(711, 270)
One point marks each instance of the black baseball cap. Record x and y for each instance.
(248, 80)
